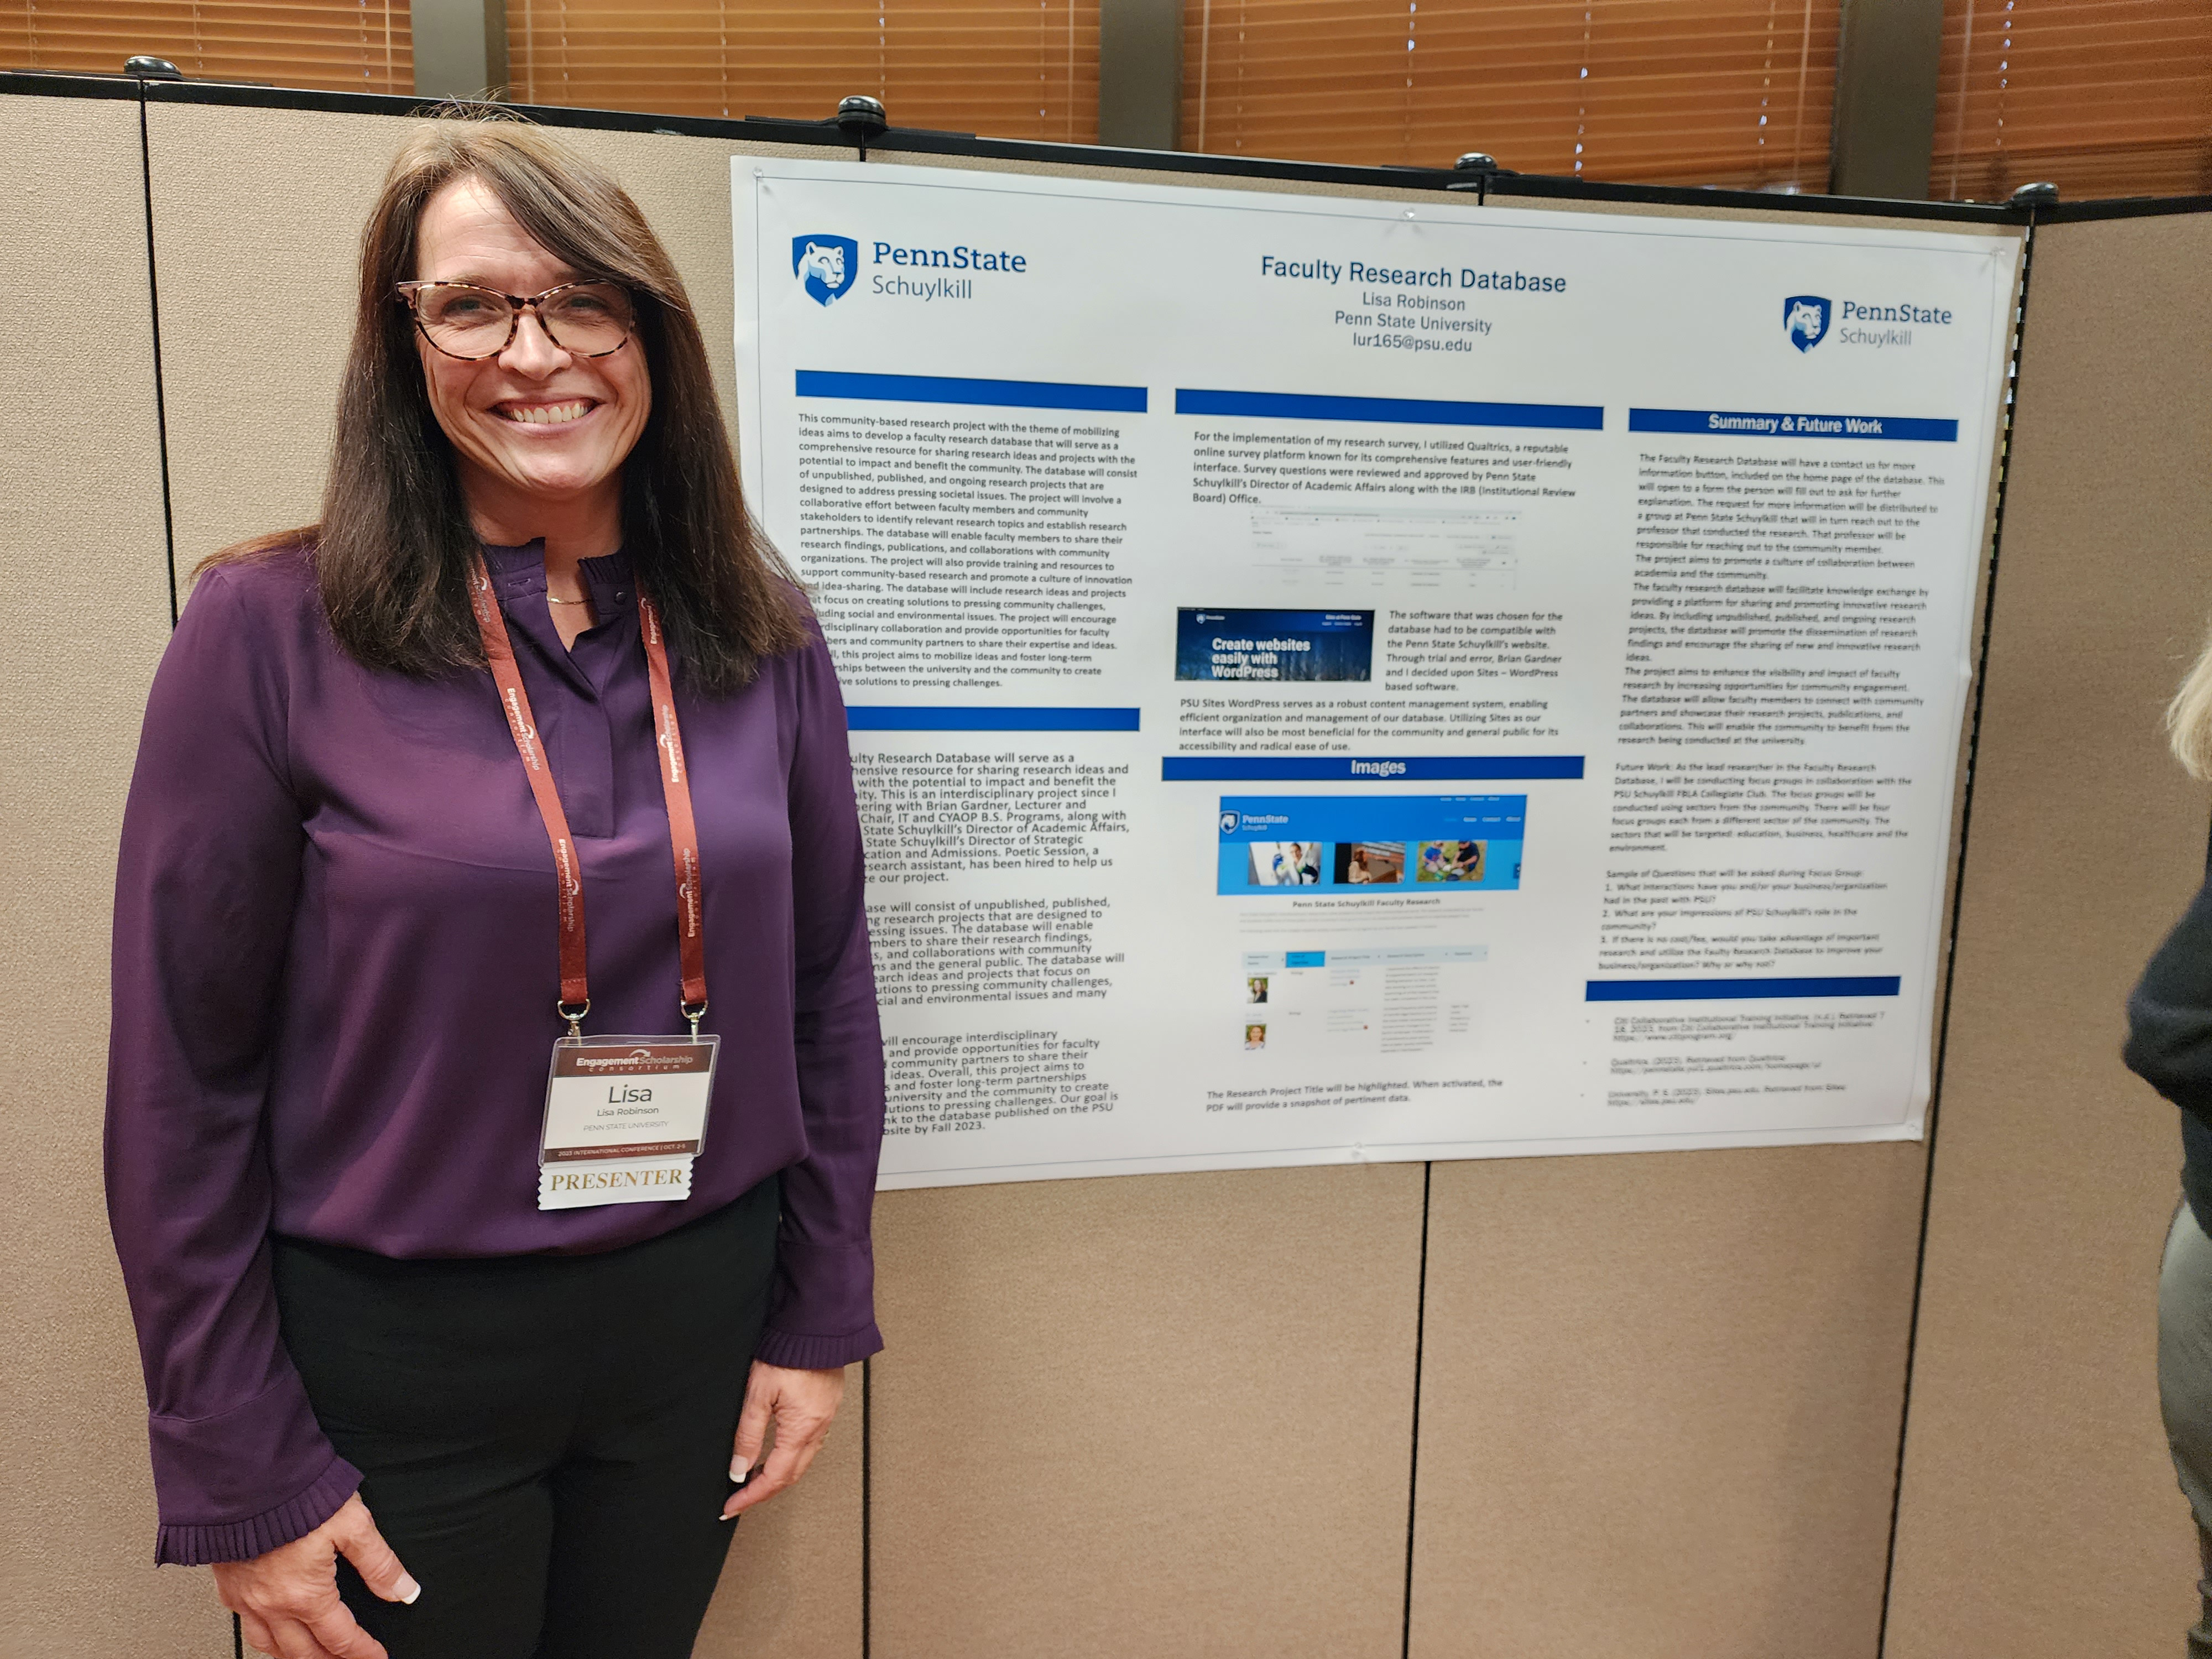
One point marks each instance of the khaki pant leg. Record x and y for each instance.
(2185, 1388)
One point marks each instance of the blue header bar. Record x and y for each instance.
(947, 389)
(1413, 412)
(1752, 424)
(1361, 769)
(913, 717)
(1732, 990)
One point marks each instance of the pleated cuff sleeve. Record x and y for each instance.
(823, 1313)
(240, 1482)
(800, 1352)
(197, 1544)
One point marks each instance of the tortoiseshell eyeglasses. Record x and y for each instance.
(585, 319)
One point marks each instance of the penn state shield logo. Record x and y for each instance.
(826, 266)
(1805, 320)
(1229, 823)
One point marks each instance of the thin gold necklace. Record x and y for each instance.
(550, 599)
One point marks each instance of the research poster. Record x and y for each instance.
(1337, 679)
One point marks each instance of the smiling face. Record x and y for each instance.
(536, 431)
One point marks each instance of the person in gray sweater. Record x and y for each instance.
(2170, 1046)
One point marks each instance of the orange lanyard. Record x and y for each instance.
(675, 786)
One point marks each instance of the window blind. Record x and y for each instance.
(2101, 97)
(1723, 92)
(1007, 69)
(339, 45)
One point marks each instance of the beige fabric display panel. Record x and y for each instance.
(1660, 1401)
(281, 194)
(245, 200)
(1154, 1414)
(85, 585)
(2039, 1518)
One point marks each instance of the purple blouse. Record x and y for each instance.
(335, 966)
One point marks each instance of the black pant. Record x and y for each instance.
(544, 1440)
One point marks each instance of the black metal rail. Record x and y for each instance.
(1499, 186)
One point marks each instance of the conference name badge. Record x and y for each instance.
(624, 1117)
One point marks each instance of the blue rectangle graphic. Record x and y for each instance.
(1364, 768)
(1754, 423)
(1412, 411)
(948, 389)
(1275, 644)
(1731, 990)
(916, 717)
(1274, 844)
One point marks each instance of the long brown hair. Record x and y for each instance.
(393, 547)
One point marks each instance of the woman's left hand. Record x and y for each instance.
(801, 1405)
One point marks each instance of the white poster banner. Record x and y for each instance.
(1337, 679)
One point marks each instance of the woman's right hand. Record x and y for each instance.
(288, 1599)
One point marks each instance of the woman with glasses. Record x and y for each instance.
(496, 1089)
